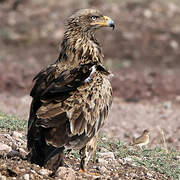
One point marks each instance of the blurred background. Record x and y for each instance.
(143, 53)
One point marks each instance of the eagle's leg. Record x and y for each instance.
(86, 153)
(94, 148)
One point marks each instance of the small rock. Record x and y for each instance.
(8, 136)
(103, 149)
(32, 171)
(44, 172)
(102, 161)
(107, 155)
(147, 13)
(174, 44)
(16, 135)
(149, 174)
(178, 98)
(121, 161)
(20, 141)
(26, 176)
(103, 169)
(67, 173)
(5, 147)
(167, 105)
(32, 176)
(13, 153)
(23, 152)
(104, 138)
(133, 175)
(127, 160)
(2, 177)
(177, 158)
(170, 140)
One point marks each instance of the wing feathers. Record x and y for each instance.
(53, 121)
(68, 97)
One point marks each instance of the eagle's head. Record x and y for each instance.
(86, 20)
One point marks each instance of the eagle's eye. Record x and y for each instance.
(93, 18)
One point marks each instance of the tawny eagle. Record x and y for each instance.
(71, 97)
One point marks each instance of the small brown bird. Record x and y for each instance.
(141, 140)
(72, 96)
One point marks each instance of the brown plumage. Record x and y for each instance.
(71, 97)
(141, 140)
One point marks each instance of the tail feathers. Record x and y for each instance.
(41, 153)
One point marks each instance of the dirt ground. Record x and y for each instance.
(143, 54)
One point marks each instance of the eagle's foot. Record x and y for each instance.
(87, 172)
(86, 153)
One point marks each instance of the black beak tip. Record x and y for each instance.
(112, 25)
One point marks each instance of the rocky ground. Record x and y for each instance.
(108, 165)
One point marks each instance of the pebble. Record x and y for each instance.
(149, 174)
(177, 157)
(67, 173)
(104, 150)
(8, 136)
(26, 176)
(128, 159)
(44, 172)
(31, 176)
(107, 155)
(23, 152)
(16, 135)
(103, 169)
(32, 171)
(167, 105)
(5, 147)
(13, 153)
(2, 177)
(133, 175)
(102, 161)
(104, 138)
(178, 98)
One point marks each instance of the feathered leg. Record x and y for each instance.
(56, 160)
(88, 151)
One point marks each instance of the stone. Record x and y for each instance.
(109, 155)
(13, 153)
(32, 176)
(149, 174)
(167, 105)
(16, 135)
(66, 173)
(178, 98)
(3, 178)
(22, 152)
(5, 147)
(26, 177)
(128, 159)
(103, 169)
(103, 149)
(44, 172)
(102, 161)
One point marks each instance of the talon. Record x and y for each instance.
(90, 173)
(82, 171)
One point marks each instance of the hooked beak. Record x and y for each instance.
(108, 22)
